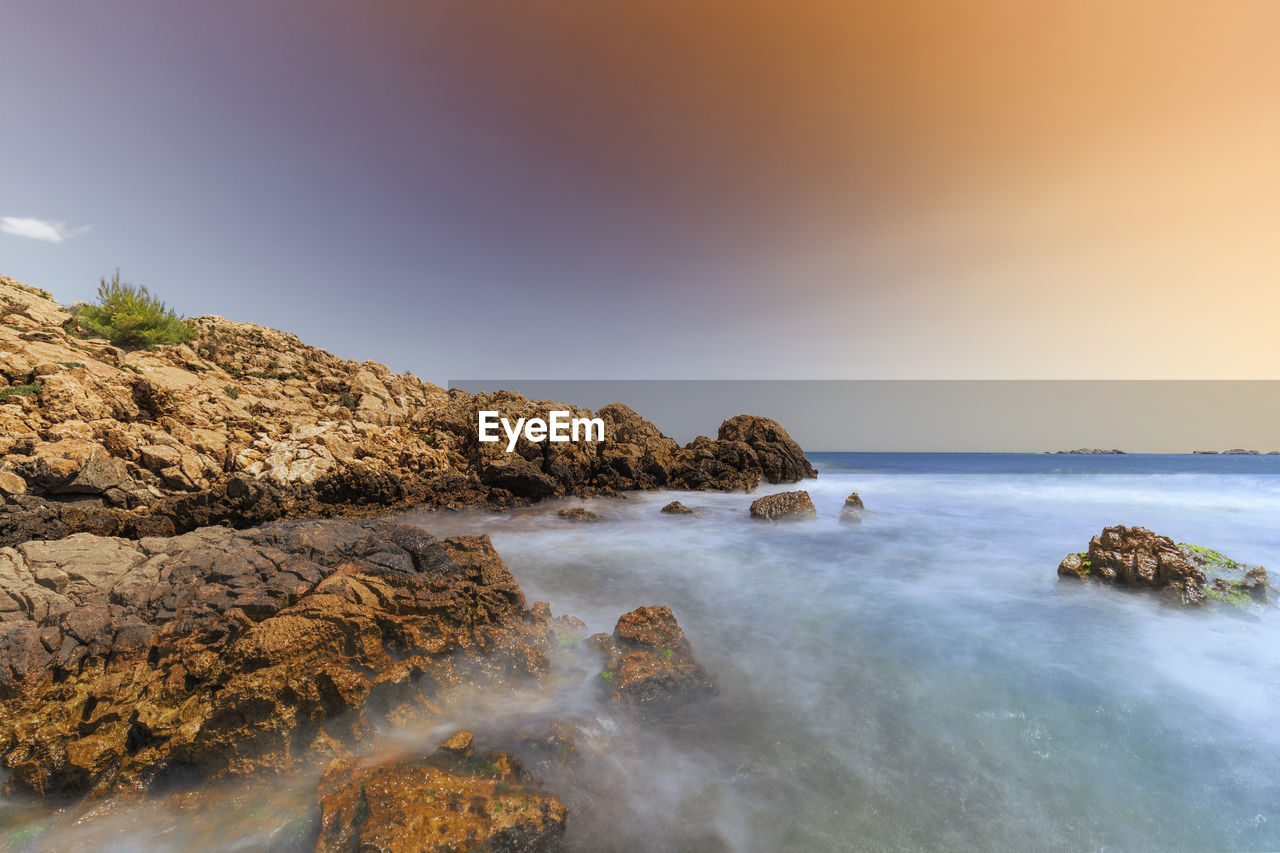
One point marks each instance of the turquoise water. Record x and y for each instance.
(919, 681)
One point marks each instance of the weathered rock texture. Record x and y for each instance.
(1136, 558)
(124, 662)
(247, 424)
(455, 799)
(649, 665)
(784, 506)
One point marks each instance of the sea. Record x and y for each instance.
(920, 680)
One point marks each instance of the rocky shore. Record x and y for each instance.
(245, 425)
(166, 619)
(135, 665)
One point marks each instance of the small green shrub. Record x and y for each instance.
(130, 316)
(31, 390)
(232, 392)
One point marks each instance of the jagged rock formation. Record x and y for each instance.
(784, 506)
(220, 652)
(454, 799)
(122, 662)
(676, 508)
(1135, 557)
(247, 424)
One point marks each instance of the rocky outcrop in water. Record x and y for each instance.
(124, 663)
(851, 512)
(246, 424)
(1136, 558)
(649, 666)
(676, 508)
(454, 799)
(784, 506)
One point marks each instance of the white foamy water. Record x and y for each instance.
(918, 681)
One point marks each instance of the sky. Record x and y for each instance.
(667, 188)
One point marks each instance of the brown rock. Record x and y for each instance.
(447, 802)
(677, 508)
(854, 501)
(649, 664)
(781, 459)
(225, 652)
(12, 484)
(1136, 557)
(784, 506)
(247, 424)
(579, 513)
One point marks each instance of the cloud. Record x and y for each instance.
(39, 229)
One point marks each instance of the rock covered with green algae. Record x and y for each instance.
(1181, 574)
(452, 800)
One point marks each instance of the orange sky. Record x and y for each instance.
(806, 189)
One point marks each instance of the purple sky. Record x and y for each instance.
(661, 189)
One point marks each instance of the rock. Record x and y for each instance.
(677, 508)
(1136, 557)
(649, 664)
(849, 515)
(449, 801)
(518, 476)
(11, 484)
(225, 652)
(247, 425)
(100, 474)
(781, 459)
(1230, 582)
(784, 506)
(1094, 451)
(579, 513)
(854, 501)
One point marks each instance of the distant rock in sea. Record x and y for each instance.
(1091, 451)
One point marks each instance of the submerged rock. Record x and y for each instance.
(676, 508)
(784, 506)
(851, 513)
(454, 799)
(579, 513)
(1184, 575)
(649, 665)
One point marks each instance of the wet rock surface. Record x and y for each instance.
(132, 665)
(454, 799)
(649, 665)
(784, 506)
(676, 508)
(245, 425)
(122, 662)
(1184, 575)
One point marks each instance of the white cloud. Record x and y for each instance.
(39, 229)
